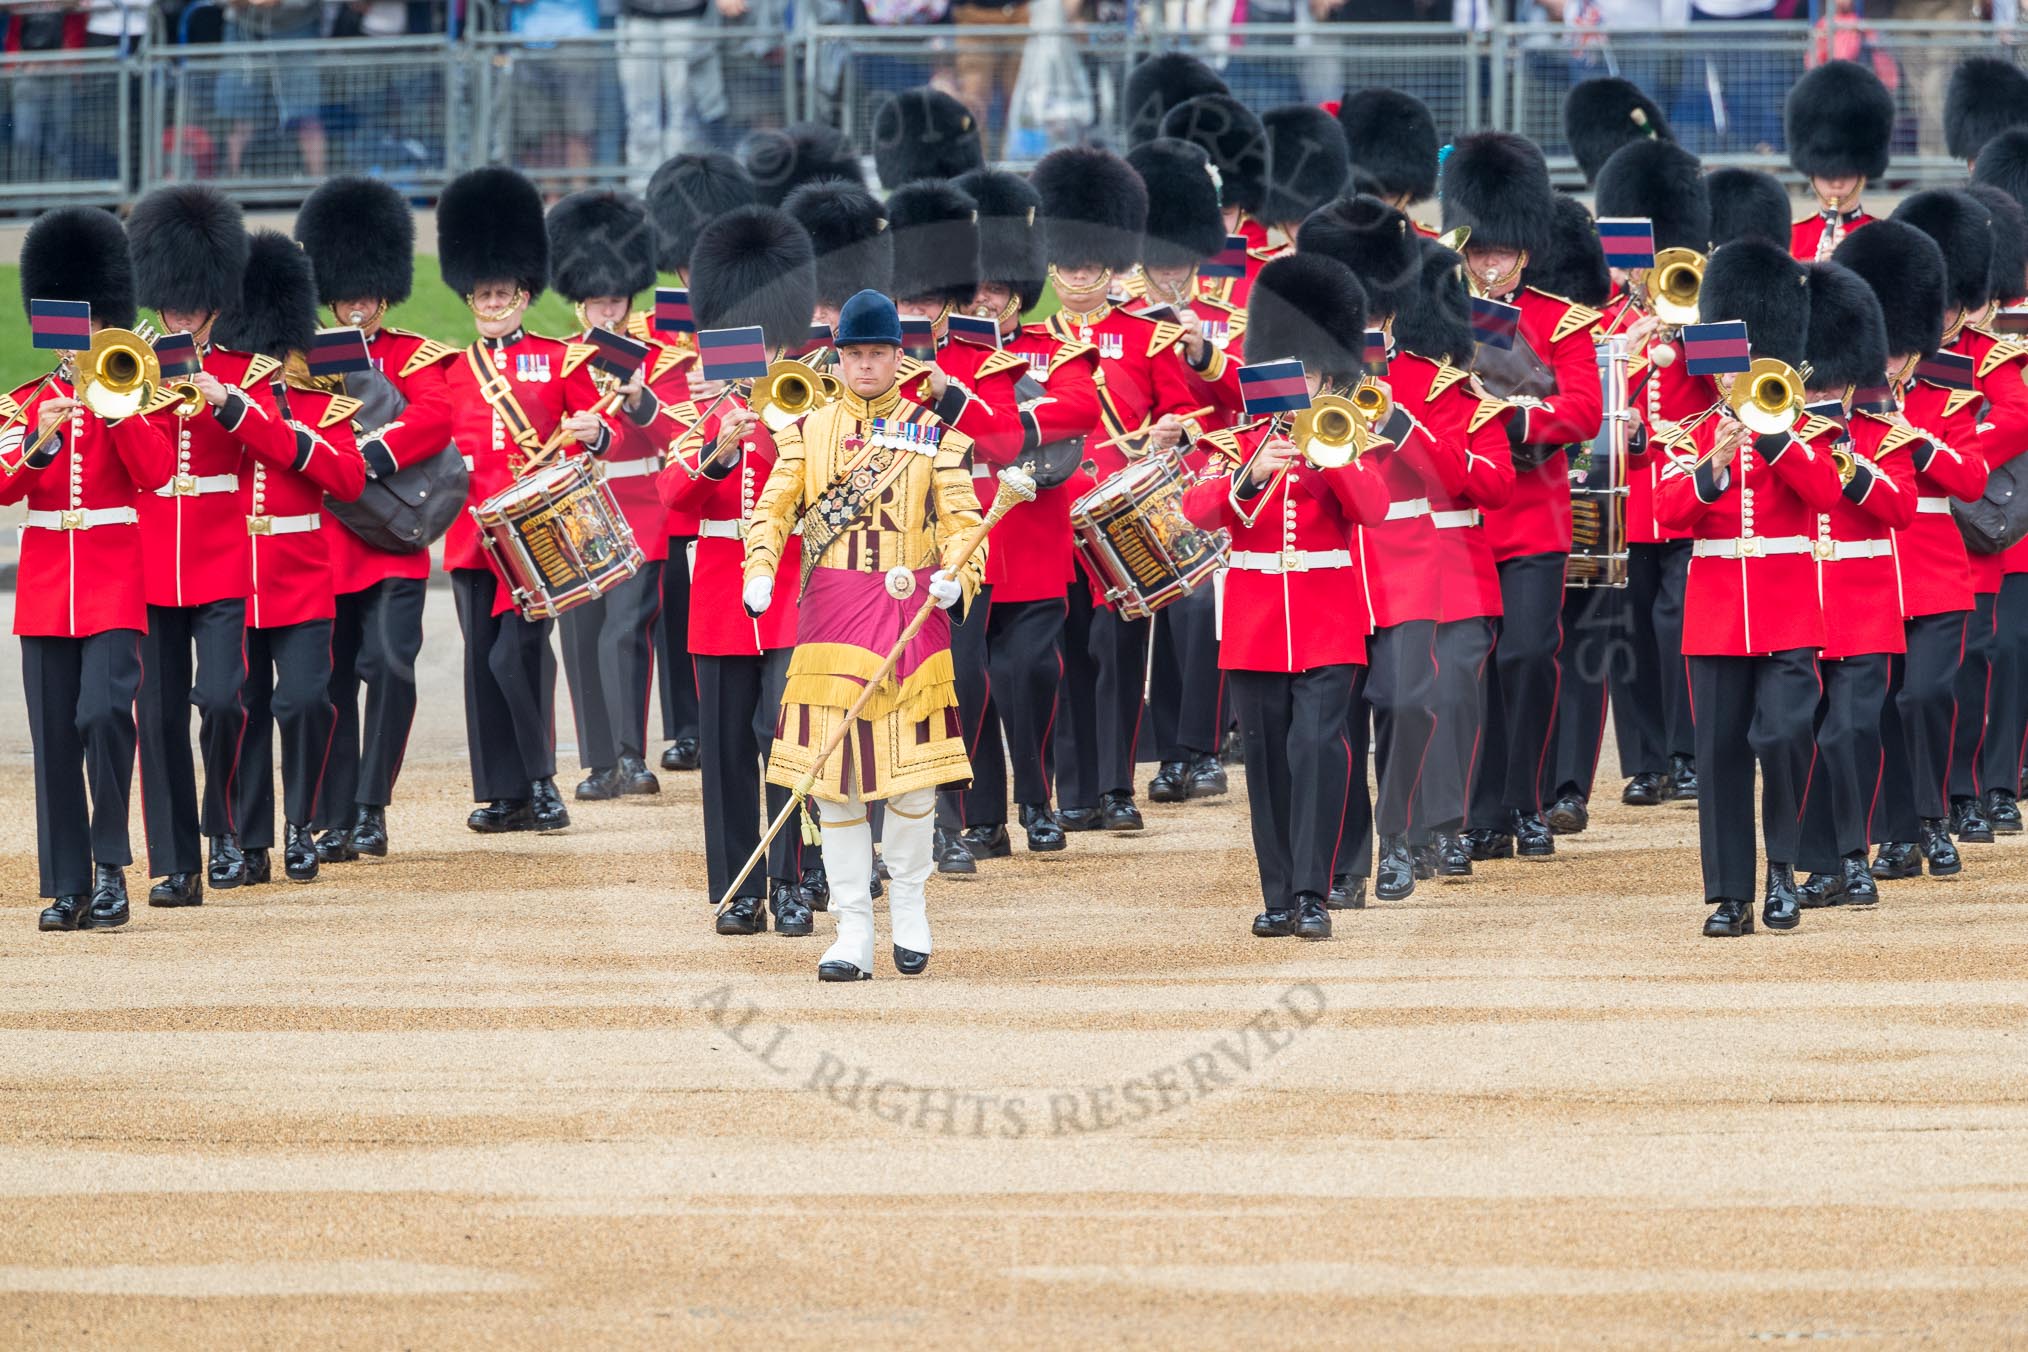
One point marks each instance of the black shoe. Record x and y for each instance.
(1425, 861)
(1532, 837)
(1044, 835)
(1276, 924)
(1454, 857)
(744, 915)
(547, 805)
(1347, 893)
(951, 855)
(109, 899)
(258, 870)
(1313, 921)
(1171, 783)
(64, 913)
(1646, 789)
(335, 846)
(987, 842)
(599, 786)
(635, 777)
(369, 830)
(841, 971)
(1394, 878)
(178, 889)
(1860, 889)
(1897, 859)
(1936, 847)
(1207, 777)
(1969, 824)
(1781, 908)
(502, 814)
(816, 887)
(1729, 920)
(227, 866)
(1683, 779)
(681, 754)
(299, 854)
(791, 908)
(1488, 844)
(1118, 813)
(909, 962)
(2003, 812)
(1568, 815)
(1822, 889)
(1079, 819)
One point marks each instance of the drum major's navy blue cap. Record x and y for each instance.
(868, 317)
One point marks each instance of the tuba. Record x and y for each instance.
(1769, 397)
(787, 392)
(1672, 286)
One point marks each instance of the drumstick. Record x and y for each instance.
(1015, 488)
(1143, 429)
(599, 407)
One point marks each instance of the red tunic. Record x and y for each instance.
(1401, 555)
(1806, 237)
(1936, 572)
(282, 509)
(1537, 519)
(1666, 398)
(1141, 376)
(1031, 558)
(416, 366)
(635, 456)
(1470, 579)
(2002, 375)
(1858, 579)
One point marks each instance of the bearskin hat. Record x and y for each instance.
(1601, 115)
(1987, 95)
(1963, 229)
(189, 247)
(1159, 83)
(1905, 268)
(688, 192)
(1574, 264)
(276, 312)
(80, 253)
(1392, 140)
(1436, 321)
(1497, 184)
(1308, 164)
(490, 229)
(2010, 242)
(1757, 281)
(924, 133)
(1010, 231)
(360, 235)
(1375, 241)
(1847, 339)
(936, 241)
(1839, 119)
(1747, 203)
(2003, 162)
(781, 160)
(754, 265)
(847, 227)
(1094, 207)
(1310, 309)
(1234, 139)
(1663, 182)
(1185, 226)
(601, 243)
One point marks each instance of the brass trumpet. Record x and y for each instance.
(1672, 285)
(787, 392)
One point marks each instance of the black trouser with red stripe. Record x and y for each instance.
(609, 660)
(1751, 709)
(1916, 725)
(1398, 702)
(1845, 783)
(1520, 691)
(1974, 689)
(739, 700)
(1073, 749)
(1596, 642)
(1186, 690)
(510, 691)
(1462, 648)
(170, 684)
(80, 694)
(672, 644)
(375, 640)
(2007, 705)
(1292, 730)
(288, 689)
(1650, 688)
(1025, 669)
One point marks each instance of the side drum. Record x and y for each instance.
(558, 538)
(1135, 540)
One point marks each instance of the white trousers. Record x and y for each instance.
(908, 846)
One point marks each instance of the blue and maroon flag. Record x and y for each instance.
(1227, 262)
(971, 328)
(333, 352)
(1375, 353)
(1952, 370)
(732, 354)
(1716, 349)
(61, 325)
(1273, 387)
(1494, 322)
(1628, 241)
(177, 355)
(919, 338)
(818, 338)
(617, 355)
(672, 311)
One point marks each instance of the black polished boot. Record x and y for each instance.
(987, 842)
(501, 815)
(1646, 789)
(1487, 844)
(64, 913)
(1860, 889)
(1532, 837)
(1313, 919)
(948, 848)
(109, 899)
(1280, 924)
(1729, 919)
(547, 805)
(1171, 783)
(258, 869)
(1454, 857)
(1044, 835)
(791, 908)
(816, 887)
(743, 915)
(1936, 847)
(682, 754)
(1424, 858)
(369, 830)
(1781, 908)
(1207, 777)
(1079, 819)
(1118, 813)
(1897, 859)
(299, 854)
(335, 846)
(2004, 812)
(178, 889)
(1968, 822)
(601, 785)
(635, 777)
(909, 962)
(1821, 889)
(1394, 877)
(1683, 779)
(1347, 893)
(1568, 815)
(227, 865)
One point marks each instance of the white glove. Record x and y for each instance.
(944, 589)
(758, 595)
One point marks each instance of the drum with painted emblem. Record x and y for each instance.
(1137, 543)
(558, 538)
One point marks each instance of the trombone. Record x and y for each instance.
(1767, 398)
(1672, 285)
(1335, 430)
(116, 377)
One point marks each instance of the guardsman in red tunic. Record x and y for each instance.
(79, 608)
(602, 251)
(751, 266)
(1906, 271)
(1752, 619)
(360, 236)
(511, 392)
(1840, 119)
(289, 610)
(1497, 184)
(1232, 135)
(1859, 581)
(684, 194)
(1293, 639)
(1094, 211)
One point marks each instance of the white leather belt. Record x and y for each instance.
(197, 485)
(1288, 560)
(1753, 547)
(633, 469)
(1833, 551)
(1407, 509)
(1933, 506)
(721, 530)
(284, 525)
(1454, 520)
(84, 518)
